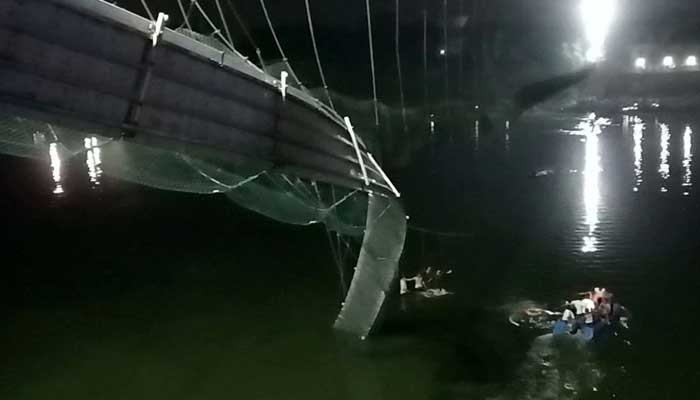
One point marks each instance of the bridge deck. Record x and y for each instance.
(93, 61)
(87, 62)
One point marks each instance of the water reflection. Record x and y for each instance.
(687, 160)
(93, 159)
(638, 136)
(664, 167)
(55, 167)
(507, 139)
(591, 187)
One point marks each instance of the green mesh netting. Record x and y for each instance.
(294, 201)
(346, 213)
(30, 137)
(274, 194)
(163, 169)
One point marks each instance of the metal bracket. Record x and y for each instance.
(157, 27)
(357, 150)
(131, 121)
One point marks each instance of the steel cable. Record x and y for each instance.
(318, 58)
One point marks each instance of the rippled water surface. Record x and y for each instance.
(113, 290)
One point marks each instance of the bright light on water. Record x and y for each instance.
(591, 183)
(55, 168)
(93, 159)
(640, 63)
(638, 136)
(589, 245)
(597, 18)
(664, 167)
(687, 159)
(691, 61)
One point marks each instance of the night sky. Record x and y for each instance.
(503, 44)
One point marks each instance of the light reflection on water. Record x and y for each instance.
(507, 140)
(638, 136)
(55, 168)
(591, 183)
(687, 160)
(664, 167)
(93, 160)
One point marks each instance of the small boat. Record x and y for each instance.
(593, 331)
(540, 319)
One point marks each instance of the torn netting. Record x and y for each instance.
(346, 213)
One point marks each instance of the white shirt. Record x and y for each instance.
(580, 309)
(419, 282)
(568, 315)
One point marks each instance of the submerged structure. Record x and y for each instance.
(168, 110)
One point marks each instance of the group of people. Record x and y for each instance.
(596, 308)
(429, 279)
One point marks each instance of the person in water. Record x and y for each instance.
(583, 306)
(584, 312)
(418, 283)
(603, 309)
(569, 314)
(428, 280)
(434, 280)
(589, 306)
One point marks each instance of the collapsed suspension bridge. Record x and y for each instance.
(183, 111)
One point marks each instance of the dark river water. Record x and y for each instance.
(113, 291)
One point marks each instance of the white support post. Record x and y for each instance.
(283, 84)
(158, 27)
(386, 178)
(357, 150)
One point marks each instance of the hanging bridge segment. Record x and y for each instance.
(92, 61)
(133, 80)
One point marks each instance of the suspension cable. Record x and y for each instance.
(371, 58)
(246, 32)
(186, 15)
(335, 251)
(337, 234)
(217, 31)
(148, 10)
(425, 57)
(223, 21)
(447, 77)
(279, 46)
(318, 58)
(461, 52)
(398, 68)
